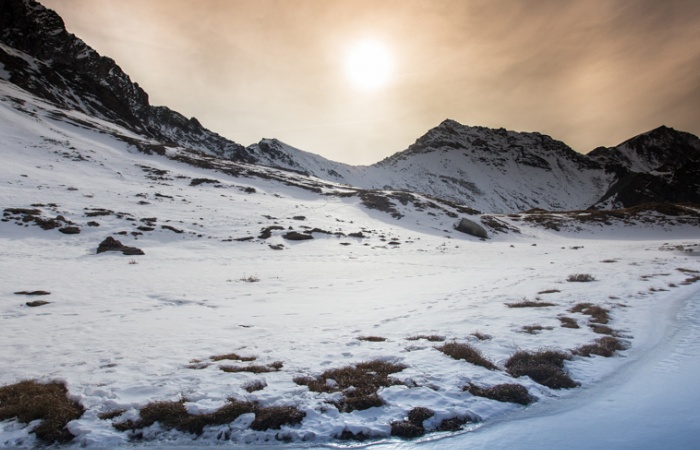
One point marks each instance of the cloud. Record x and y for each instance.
(588, 72)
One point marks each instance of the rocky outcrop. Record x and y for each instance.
(112, 245)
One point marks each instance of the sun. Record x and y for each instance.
(369, 65)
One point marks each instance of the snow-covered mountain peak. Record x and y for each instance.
(660, 149)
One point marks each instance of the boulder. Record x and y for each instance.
(471, 228)
(112, 245)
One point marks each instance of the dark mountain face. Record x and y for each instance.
(661, 165)
(44, 59)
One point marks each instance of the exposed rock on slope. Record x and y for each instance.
(662, 165)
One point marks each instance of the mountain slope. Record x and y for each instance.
(39, 55)
(662, 165)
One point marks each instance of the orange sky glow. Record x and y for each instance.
(587, 72)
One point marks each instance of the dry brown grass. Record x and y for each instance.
(580, 278)
(466, 352)
(529, 304)
(427, 337)
(568, 322)
(233, 357)
(481, 336)
(359, 383)
(507, 393)
(598, 313)
(534, 329)
(30, 400)
(605, 346)
(545, 367)
(549, 291)
(174, 415)
(254, 368)
(371, 338)
(602, 329)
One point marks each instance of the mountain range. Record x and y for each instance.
(490, 170)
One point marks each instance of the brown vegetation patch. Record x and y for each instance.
(568, 322)
(33, 293)
(507, 393)
(30, 400)
(359, 383)
(427, 337)
(233, 357)
(174, 415)
(548, 291)
(598, 313)
(371, 338)
(529, 304)
(535, 329)
(466, 352)
(605, 346)
(274, 417)
(481, 336)
(253, 386)
(580, 278)
(602, 329)
(254, 368)
(545, 367)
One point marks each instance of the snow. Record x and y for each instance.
(123, 331)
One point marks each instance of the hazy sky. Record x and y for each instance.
(588, 72)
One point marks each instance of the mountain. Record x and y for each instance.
(40, 56)
(661, 165)
(492, 170)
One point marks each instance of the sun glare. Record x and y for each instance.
(368, 65)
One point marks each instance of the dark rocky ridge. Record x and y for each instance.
(67, 72)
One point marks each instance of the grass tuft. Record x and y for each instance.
(359, 383)
(507, 393)
(568, 322)
(371, 338)
(534, 329)
(466, 352)
(256, 385)
(174, 415)
(602, 329)
(274, 417)
(580, 278)
(549, 291)
(233, 357)
(481, 336)
(529, 304)
(605, 346)
(253, 368)
(545, 367)
(430, 337)
(30, 400)
(598, 313)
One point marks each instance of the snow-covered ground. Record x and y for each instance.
(123, 331)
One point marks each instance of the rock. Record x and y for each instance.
(471, 228)
(33, 293)
(112, 245)
(36, 303)
(296, 236)
(69, 230)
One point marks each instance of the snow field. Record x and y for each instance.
(124, 331)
